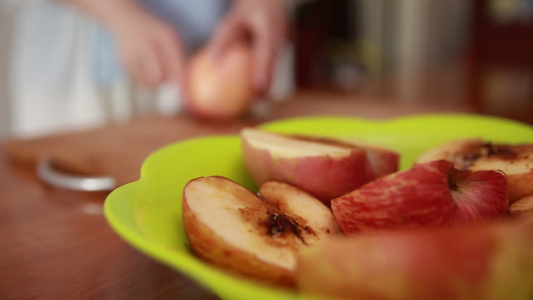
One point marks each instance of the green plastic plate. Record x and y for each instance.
(147, 213)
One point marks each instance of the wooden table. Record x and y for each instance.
(56, 244)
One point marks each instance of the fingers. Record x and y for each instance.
(152, 73)
(141, 64)
(267, 42)
(229, 31)
(144, 65)
(269, 36)
(264, 23)
(263, 60)
(172, 58)
(151, 52)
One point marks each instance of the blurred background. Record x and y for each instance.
(472, 53)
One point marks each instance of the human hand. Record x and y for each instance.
(150, 50)
(264, 24)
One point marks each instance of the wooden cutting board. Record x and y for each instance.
(115, 150)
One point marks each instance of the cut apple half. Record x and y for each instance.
(427, 195)
(324, 167)
(516, 161)
(253, 236)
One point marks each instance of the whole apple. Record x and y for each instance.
(477, 261)
(429, 194)
(220, 88)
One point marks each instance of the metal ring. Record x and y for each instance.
(49, 175)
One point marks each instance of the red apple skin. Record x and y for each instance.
(324, 177)
(381, 162)
(515, 160)
(518, 166)
(478, 261)
(323, 174)
(220, 89)
(479, 195)
(421, 196)
(411, 198)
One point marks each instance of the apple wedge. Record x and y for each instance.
(324, 167)
(522, 207)
(516, 161)
(253, 236)
(479, 261)
(430, 194)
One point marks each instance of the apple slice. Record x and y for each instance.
(250, 235)
(326, 168)
(516, 161)
(522, 207)
(481, 261)
(462, 153)
(429, 194)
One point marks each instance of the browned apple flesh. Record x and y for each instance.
(522, 207)
(250, 235)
